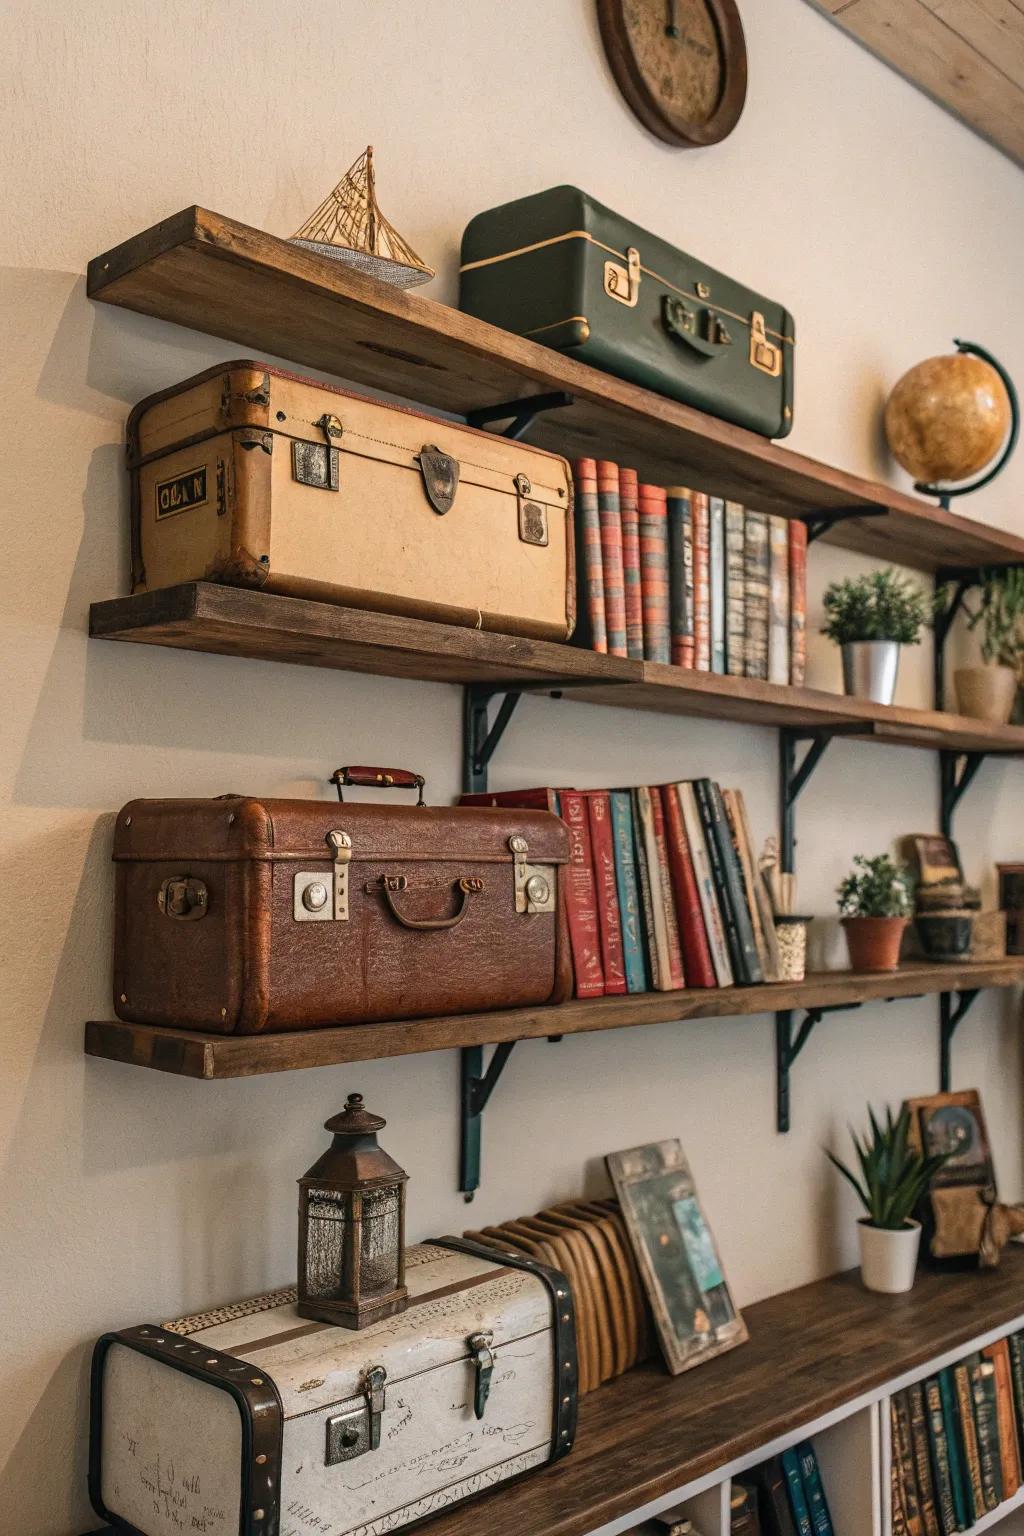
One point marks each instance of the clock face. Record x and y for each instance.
(681, 64)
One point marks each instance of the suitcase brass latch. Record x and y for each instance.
(357, 1430)
(318, 464)
(534, 883)
(482, 1356)
(764, 354)
(315, 899)
(440, 477)
(533, 517)
(183, 898)
(623, 282)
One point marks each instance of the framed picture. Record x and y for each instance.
(955, 1123)
(937, 859)
(676, 1254)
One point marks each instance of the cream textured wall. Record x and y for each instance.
(882, 224)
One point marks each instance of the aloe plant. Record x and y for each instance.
(893, 1175)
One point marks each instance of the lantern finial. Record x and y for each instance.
(354, 1120)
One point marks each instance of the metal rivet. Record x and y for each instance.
(566, 1401)
(257, 1514)
(518, 844)
(223, 1013)
(537, 888)
(211, 1362)
(281, 416)
(565, 1434)
(127, 821)
(231, 818)
(568, 1365)
(565, 1317)
(260, 1460)
(161, 1341)
(560, 1295)
(124, 997)
(257, 1381)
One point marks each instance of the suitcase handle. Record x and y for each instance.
(684, 323)
(378, 778)
(467, 887)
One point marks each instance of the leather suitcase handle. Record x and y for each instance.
(378, 778)
(682, 323)
(466, 889)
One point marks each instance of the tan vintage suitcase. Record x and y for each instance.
(245, 915)
(249, 475)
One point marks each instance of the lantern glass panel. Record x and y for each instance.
(380, 1247)
(327, 1223)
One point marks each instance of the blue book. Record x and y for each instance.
(814, 1490)
(797, 1498)
(717, 580)
(630, 906)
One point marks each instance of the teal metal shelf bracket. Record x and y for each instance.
(788, 1047)
(476, 1089)
(950, 1016)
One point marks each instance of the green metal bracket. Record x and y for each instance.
(950, 1016)
(476, 1089)
(788, 1047)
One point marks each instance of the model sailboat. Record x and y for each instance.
(349, 226)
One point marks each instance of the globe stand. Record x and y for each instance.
(946, 493)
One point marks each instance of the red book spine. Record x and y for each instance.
(654, 581)
(693, 938)
(629, 508)
(584, 938)
(701, 582)
(797, 602)
(608, 918)
(521, 799)
(611, 556)
(589, 573)
(675, 953)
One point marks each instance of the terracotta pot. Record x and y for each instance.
(888, 1259)
(874, 942)
(986, 693)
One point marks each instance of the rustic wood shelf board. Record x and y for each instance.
(811, 1350)
(215, 275)
(232, 621)
(189, 1053)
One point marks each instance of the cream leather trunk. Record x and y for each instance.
(259, 478)
(252, 1420)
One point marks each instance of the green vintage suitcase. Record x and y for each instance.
(568, 272)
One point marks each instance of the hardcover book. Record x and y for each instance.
(778, 601)
(728, 883)
(654, 573)
(814, 1489)
(921, 1450)
(903, 1456)
(962, 1502)
(1006, 1416)
(776, 1514)
(714, 924)
(698, 967)
(592, 629)
(983, 1391)
(716, 580)
(680, 554)
(758, 902)
(653, 912)
(1016, 1345)
(584, 935)
(610, 519)
(609, 925)
(663, 885)
(735, 590)
(629, 511)
(756, 595)
(942, 1479)
(797, 532)
(797, 1497)
(631, 917)
(969, 1438)
(701, 581)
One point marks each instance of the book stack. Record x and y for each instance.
(663, 887)
(957, 1442)
(785, 1496)
(680, 576)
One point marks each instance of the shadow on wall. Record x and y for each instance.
(42, 1443)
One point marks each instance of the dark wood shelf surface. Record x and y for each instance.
(191, 1053)
(215, 275)
(232, 621)
(811, 1351)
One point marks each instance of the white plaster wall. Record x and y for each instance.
(885, 227)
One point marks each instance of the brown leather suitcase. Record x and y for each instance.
(245, 915)
(252, 476)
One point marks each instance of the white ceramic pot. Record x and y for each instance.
(888, 1259)
(870, 668)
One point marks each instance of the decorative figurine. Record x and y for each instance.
(352, 1226)
(948, 418)
(349, 226)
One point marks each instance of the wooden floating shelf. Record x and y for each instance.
(191, 1053)
(231, 621)
(202, 270)
(647, 1435)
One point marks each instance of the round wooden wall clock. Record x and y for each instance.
(681, 65)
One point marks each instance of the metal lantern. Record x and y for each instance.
(352, 1226)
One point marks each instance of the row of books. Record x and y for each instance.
(683, 577)
(958, 1442)
(785, 1496)
(663, 890)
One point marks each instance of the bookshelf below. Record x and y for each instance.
(196, 1054)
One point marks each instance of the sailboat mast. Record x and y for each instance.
(371, 203)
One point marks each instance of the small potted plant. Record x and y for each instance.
(870, 617)
(875, 904)
(988, 692)
(893, 1179)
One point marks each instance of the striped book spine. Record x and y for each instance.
(701, 582)
(797, 601)
(610, 520)
(630, 909)
(778, 601)
(654, 572)
(735, 591)
(716, 581)
(590, 575)
(630, 513)
(680, 557)
(755, 555)
(581, 905)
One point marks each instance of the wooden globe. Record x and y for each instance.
(947, 418)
